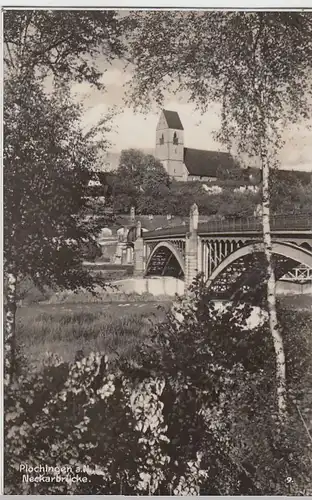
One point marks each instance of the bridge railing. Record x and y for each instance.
(277, 222)
(299, 222)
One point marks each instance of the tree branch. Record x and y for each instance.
(9, 53)
(305, 425)
(28, 21)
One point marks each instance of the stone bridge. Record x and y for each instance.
(229, 253)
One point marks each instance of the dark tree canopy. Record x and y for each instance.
(141, 182)
(46, 171)
(47, 156)
(66, 44)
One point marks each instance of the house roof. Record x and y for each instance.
(173, 119)
(205, 163)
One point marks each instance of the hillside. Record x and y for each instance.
(111, 158)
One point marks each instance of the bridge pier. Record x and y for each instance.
(192, 248)
(191, 253)
(129, 255)
(138, 254)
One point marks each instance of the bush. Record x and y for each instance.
(28, 293)
(195, 413)
(222, 379)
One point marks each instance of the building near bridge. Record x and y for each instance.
(182, 163)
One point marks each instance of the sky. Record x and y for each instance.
(137, 130)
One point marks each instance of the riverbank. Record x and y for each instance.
(116, 329)
(115, 324)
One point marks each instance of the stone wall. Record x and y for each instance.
(158, 286)
(168, 286)
(288, 288)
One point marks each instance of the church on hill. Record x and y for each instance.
(186, 164)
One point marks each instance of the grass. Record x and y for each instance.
(110, 295)
(28, 295)
(63, 322)
(112, 322)
(114, 329)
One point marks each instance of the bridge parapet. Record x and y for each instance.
(279, 223)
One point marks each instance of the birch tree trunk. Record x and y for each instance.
(10, 336)
(271, 297)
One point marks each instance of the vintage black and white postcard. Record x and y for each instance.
(157, 171)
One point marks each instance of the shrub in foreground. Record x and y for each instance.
(197, 413)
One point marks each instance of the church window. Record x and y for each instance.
(162, 140)
(175, 138)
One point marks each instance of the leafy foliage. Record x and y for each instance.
(46, 155)
(64, 44)
(196, 413)
(141, 182)
(46, 169)
(290, 193)
(241, 60)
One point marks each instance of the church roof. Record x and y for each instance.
(205, 163)
(173, 119)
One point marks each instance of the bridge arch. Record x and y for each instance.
(290, 251)
(165, 253)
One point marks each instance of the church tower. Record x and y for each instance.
(170, 144)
